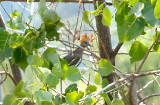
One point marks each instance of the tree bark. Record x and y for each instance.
(105, 45)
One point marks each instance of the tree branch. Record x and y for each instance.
(148, 97)
(65, 1)
(117, 48)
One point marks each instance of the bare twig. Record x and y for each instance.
(145, 57)
(149, 97)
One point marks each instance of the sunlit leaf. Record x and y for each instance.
(105, 67)
(137, 51)
(157, 9)
(85, 16)
(73, 98)
(97, 79)
(107, 16)
(117, 102)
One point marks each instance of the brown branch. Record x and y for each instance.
(7, 73)
(117, 48)
(145, 57)
(123, 79)
(65, 1)
(149, 97)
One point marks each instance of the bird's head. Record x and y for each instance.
(85, 40)
(85, 44)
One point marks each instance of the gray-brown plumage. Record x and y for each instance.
(75, 57)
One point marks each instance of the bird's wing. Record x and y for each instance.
(73, 59)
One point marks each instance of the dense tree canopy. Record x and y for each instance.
(121, 67)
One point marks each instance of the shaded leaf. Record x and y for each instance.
(71, 88)
(107, 99)
(52, 80)
(19, 57)
(136, 8)
(148, 13)
(9, 99)
(88, 100)
(73, 74)
(43, 95)
(5, 51)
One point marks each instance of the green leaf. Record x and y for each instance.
(97, 79)
(9, 99)
(5, 51)
(92, 88)
(153, 2)
(43, 95)
(107, 17)
(128, 27)
(73, 74)
(136, 8)
(98, 10)
(37, 61)
(157, 9)
(47, 62)
(115, 3)
(18, 102)
(16, 23)
(18, 90)
(156, 47)
(107, 99)
(88, 100)
(52, 80)
(50, 16)
(41, 7)
(132, 2)
(64, 66)
(73, 98)
(117, 102)
(43, 73)
(105, 67)
(58, 73)
(19, 57)
(104, 82)
(15, 13)
(16, 40)
(93, 101)
(148, 13)
(137, 51)
(57, 100)
(54, 58)
(71, 88)
(85, 16)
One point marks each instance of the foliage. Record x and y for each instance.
(133, 18)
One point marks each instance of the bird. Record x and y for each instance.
(75, 57)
